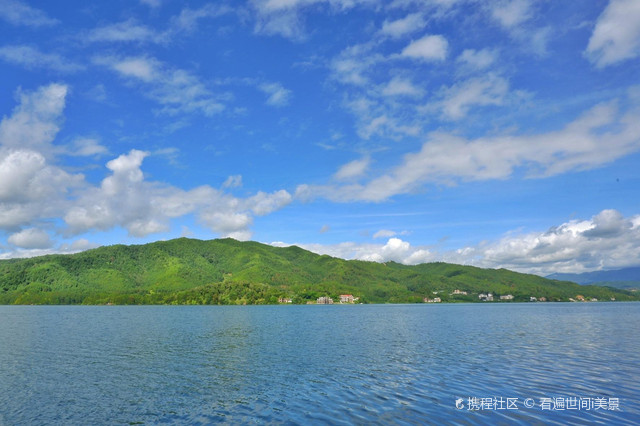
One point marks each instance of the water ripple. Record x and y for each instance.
(400, 364)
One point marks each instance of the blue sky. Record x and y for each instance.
(501, 133)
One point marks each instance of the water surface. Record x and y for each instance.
(385, 364)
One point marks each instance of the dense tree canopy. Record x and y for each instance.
(226, 271)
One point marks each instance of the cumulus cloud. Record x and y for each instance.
(431, 48)
(126, 199)
(31, 187)
(35, 122)
(263, 203)
(606, 241)
(31, 238)
(64, 248)
(616, 36)
(122, 199)
(26, 176)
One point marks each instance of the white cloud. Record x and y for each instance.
(25, 177)
(31, 58)
(285, 17)
(384, 233)
(178, 91)
(401, 87)
(127, 31)
(234, 181)
(65, 248)
(142, 68)
(601, 135)
(187, 20)
(122, 199)
(228, 224)
(35, 121)
(606, 241)
(490, 89)
(143, 207)
(31, 238)
(262, 203)
(152, 3)
(20, 13)
(31, 188)
(511, 13)
(131, 31)
(616, 36)
(429, 48)
(277, 95)
(353, 64)
(387, 119)
(477, 59)
(353, 169)
(287, 24)
(400, 27)
(86, 147)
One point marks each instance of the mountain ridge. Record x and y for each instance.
(618, 278)
(226, 271)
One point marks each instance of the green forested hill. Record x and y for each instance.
(227, 271)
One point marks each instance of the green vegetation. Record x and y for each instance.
(226, 271)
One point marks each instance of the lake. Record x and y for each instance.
(556, 363)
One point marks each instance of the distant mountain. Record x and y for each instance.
(226, 271)
(619, 278)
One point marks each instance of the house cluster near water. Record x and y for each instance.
(344, 298)
(325, 300)
(485, 297)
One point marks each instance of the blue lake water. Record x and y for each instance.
(357, 364)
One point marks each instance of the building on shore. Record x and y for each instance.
(506, 297)
(434, 300)
(347, 298)
(486, 297)
(324, 300)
